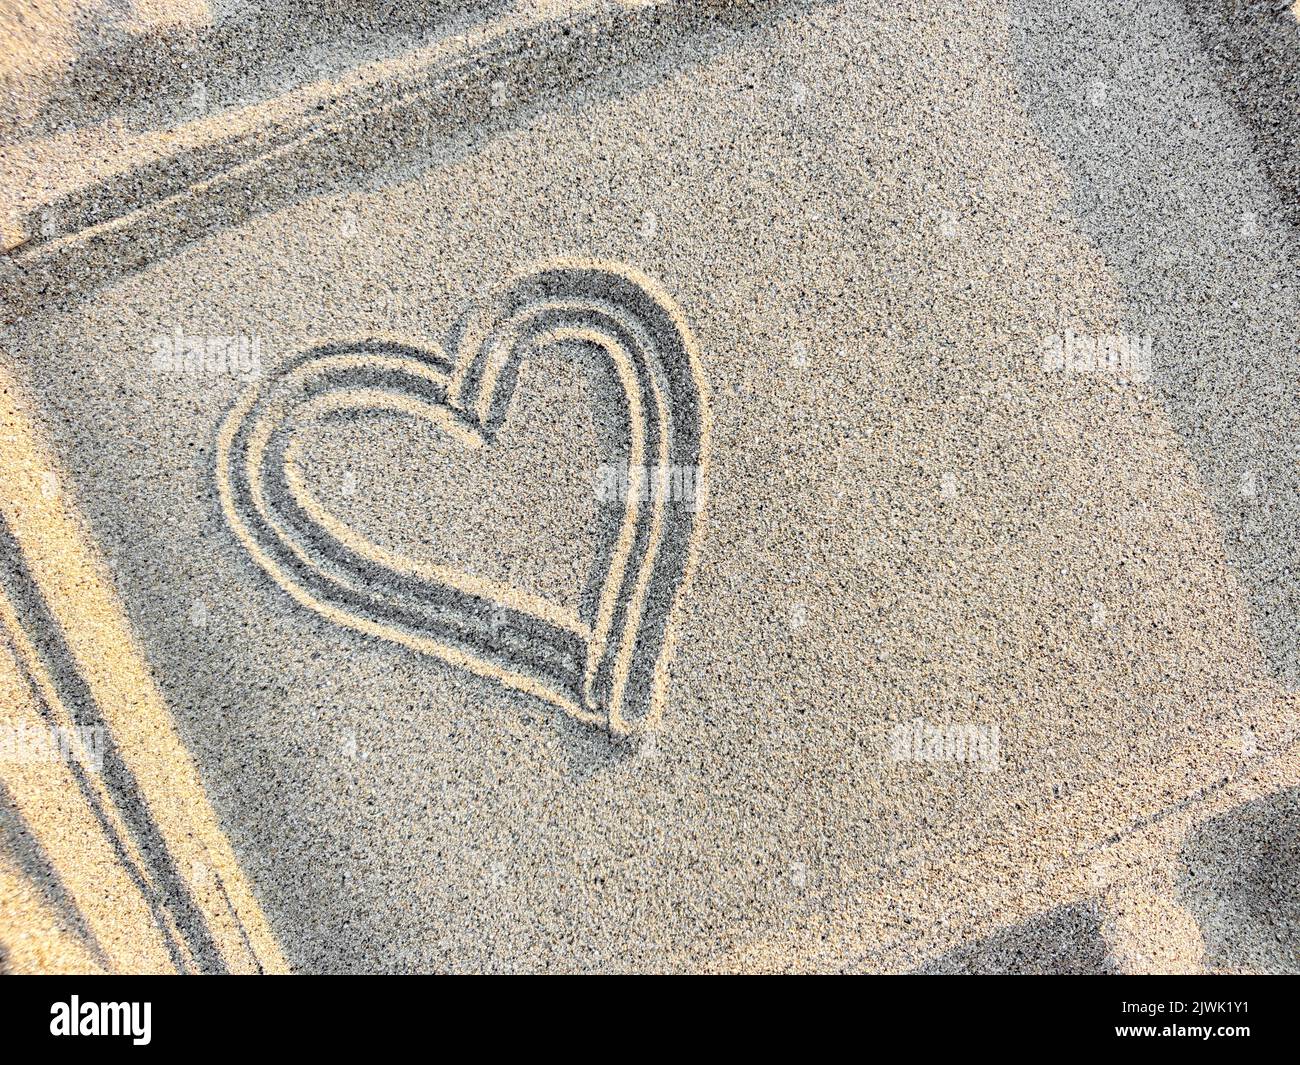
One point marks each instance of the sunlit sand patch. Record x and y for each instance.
(131, 836)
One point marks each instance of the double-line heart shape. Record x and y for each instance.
(605, 663)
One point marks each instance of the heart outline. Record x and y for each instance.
(612, 672)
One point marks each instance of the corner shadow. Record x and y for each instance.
(1241, 881)
(1062, 941)
(1183, 205)
(1254, 52)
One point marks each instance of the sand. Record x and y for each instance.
(954, 659)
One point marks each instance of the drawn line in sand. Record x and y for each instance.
(132, 847)
(224, 169)
(604, 663)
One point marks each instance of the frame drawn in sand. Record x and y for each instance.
(606, 664)
(131, 870)
(228, 168)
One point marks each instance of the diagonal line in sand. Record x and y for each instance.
(66, 622)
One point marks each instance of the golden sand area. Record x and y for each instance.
(630, 485)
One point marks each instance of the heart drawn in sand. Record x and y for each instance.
(605, 665)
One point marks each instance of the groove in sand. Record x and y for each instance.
(607, 669)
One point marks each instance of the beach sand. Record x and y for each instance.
(955, 660)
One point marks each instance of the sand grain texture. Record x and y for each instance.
(869, 218)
